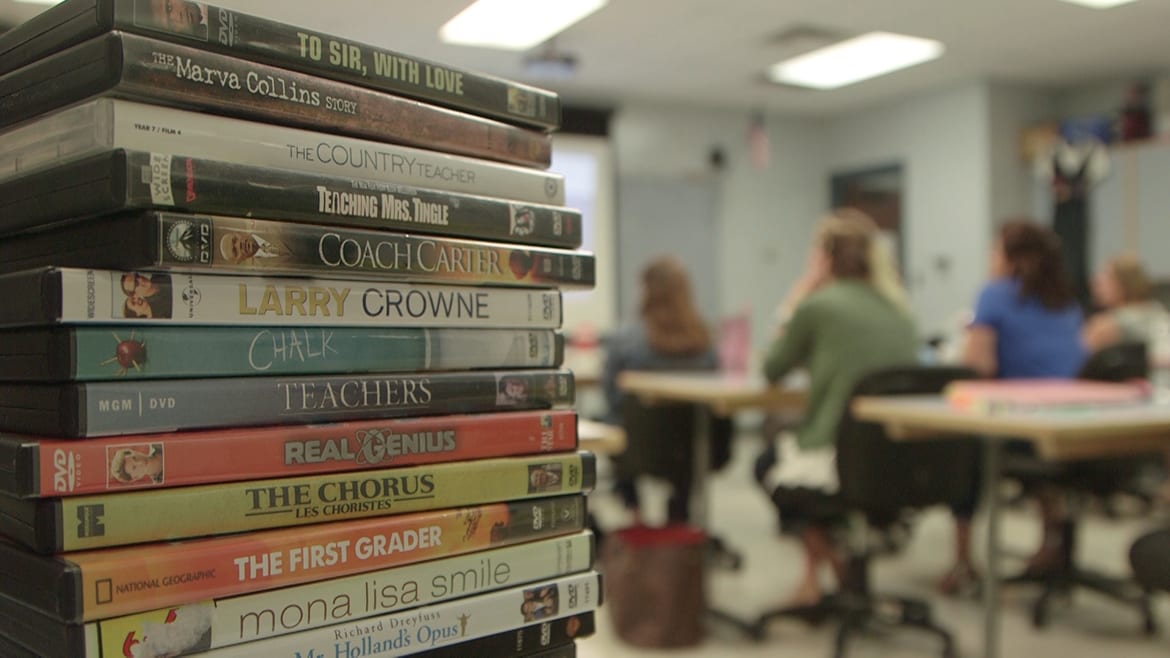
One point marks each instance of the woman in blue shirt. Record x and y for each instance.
(1027, 321)
(1027, 325)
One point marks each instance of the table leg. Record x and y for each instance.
(702, 465)
(699, 513)
(992, 456)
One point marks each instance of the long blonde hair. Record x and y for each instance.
(855, 249)
(673, 324)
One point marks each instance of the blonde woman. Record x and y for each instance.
(848, 316)
(1129, 312)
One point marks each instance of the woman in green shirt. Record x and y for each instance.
(849, 316)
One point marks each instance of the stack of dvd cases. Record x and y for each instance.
(279, 368)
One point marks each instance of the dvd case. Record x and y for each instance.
(73, 296)
(548, 639)
(280, 44)
(240, 245)
(104, 124)
(153, 71)
(143, 351)
(93, 585)
(53, 525)
(258, 616)
(36, 467)
(144, 406)
(119, 180)
(434, 626)
(9, 648)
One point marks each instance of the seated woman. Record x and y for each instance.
(1129, 312)
(849, 316)
(670, 335)
(1027, 324)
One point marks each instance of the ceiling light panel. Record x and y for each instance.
(1100, 4)
(515, 24)
(860, 58)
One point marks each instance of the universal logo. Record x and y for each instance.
(191, 295)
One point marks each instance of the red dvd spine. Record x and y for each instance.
(55, 467)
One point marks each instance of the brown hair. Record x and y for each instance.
(673, 324)
(1132, 279)
(1034, 258)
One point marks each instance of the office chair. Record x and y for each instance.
(660, 442)
(1148, 557)
(1080, 481)
(881, 481)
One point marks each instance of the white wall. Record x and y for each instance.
(587, 164)
(764, 217)
(943, 142)
(1013, 182)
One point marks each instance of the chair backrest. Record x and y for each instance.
(1117, 363)
(1103, 476)
(883, 477)
(660, 438)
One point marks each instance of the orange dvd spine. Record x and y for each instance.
(94, 585)
(48, 467)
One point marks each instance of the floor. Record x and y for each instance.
(1085, 627)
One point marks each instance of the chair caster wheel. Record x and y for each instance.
(1040, 616)
(758, 631)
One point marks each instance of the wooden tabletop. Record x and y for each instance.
(602, 438)
(1057, 434)
(724, 393)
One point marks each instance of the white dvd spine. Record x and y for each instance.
(443, 624)
(105, 124)
(252, 617)
(186, 298)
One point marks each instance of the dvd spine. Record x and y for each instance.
(47, 468)
(434, 626)
(531, 640)
(287, 46)
(330, 56)
(95, 585)
(127, 180)
(100, 125)
(86, 296)
(238, 245)
(101, 520)
(110, 408)
(95, 353)
(211, 624)
(146, 69)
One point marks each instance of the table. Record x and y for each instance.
(601, 438)
(717, 394)
(713, 394)
(1057, 435)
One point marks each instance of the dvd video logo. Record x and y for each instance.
(66, 466)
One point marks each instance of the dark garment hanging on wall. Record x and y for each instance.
(1070, 220)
